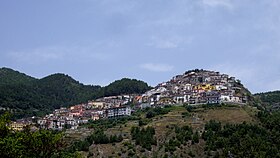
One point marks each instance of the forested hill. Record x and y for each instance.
(27, 96)
(270, 100)
(62, 90)
(10, 76)
(124, 86)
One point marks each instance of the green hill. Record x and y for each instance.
(62, 90)
(27, 96)
(124, 86)
(268, 100)
(17, 90)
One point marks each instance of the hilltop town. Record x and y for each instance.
(194, 87)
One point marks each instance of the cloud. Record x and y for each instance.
(163, 44)
(157, 67)
(171, 42)
(39, 54)
(218, 3)
(97, 51)
(167, 44)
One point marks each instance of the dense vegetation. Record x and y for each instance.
(269, 97)
(269, 100)
(124, 86)
(183, 135)
(271, 122)
(152, 112)
(30, 144)
(144, 137)
(27, 96)
(97, 137)
(244, 140)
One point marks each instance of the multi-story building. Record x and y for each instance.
(118, 112)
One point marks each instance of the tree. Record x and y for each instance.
(41, 143)
(144, 137)
(195, 138)
(4, 121)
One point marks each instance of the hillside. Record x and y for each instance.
(27, 96)
(181, 131)
(63, 90)
(268, 100)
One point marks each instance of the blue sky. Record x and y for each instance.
(99, 41)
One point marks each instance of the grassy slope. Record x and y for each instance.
(163, 124)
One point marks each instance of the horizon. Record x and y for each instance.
(98, 42)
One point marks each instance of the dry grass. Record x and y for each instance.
(162, 126)
(226, 115)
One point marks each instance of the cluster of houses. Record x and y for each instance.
(103, 108)
(195, 87)
(192, 88)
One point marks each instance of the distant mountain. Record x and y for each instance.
(27, 96)
(268, 100)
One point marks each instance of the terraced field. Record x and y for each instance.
(164, 124)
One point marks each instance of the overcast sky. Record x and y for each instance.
(99, 41)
